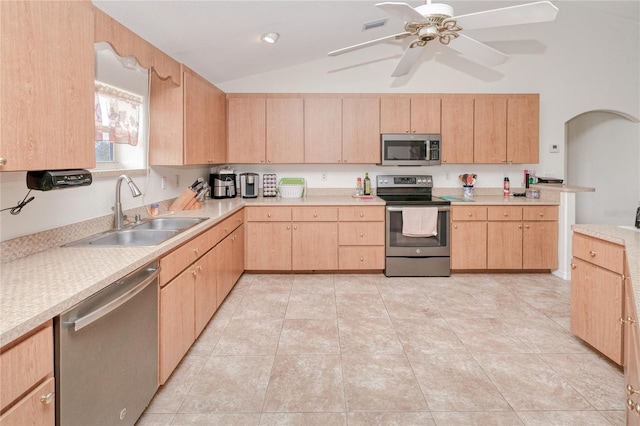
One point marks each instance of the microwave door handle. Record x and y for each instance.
(427, 150)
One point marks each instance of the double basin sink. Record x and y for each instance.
(148, 233)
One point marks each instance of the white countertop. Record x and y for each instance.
(39, 287)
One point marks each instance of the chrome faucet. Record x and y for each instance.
(118, 217)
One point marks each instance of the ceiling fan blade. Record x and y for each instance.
(398, 36)
(529, 13)
(477, 51)
(409, 58)
(402, 10)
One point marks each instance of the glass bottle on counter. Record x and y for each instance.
(506, 187)
(367, 184)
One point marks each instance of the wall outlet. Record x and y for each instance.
(446, 176)
(163, 182)
(554, 148)
(177, 181)
(323, 177)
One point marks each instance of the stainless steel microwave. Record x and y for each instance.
(410, 149)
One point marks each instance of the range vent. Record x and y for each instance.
(374, 24)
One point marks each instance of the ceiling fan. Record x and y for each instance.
(436, 21)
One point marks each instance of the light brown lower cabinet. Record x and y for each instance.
(504, 237)
(194, 280)
(314, 238)
(597, 294)
(27, 386)
(631, 353)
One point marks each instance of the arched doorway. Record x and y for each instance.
(603, 152)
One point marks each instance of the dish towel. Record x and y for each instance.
(419, 221)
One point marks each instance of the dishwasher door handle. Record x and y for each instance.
(112, 305)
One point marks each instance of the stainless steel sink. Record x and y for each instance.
(126, 238)
(175, 223)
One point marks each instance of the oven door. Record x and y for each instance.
(403, 246)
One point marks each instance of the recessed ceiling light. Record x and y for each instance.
(270, 38)
(374, 24)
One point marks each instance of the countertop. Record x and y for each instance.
(499, 200)
(39, 287)
(626, 236)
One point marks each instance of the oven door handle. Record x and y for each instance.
(399, 209)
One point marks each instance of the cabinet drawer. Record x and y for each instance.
(25, 364)
(360, 257)
(504, 213)
(468, 213)
(268, 214)
(176, 261)
(314, 214)
(361, 233)
(224, 228)
(540, 213)
(361, 214)
(599, 252)
(31, 410)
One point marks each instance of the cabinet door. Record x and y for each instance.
(285, 130)
(504, 245)
(206, 299)
(523, 128)
(469, 245)
(540, 245)
(177, 314)
(238, 254)
(47, 85)
(490, 130)
(631, 354)
(198, 121)
(218, 137)
(395, 114)
(361, 130)
(425, 114)
(457, 129)
(166, 124)
(224, 269)
(246, 130)
(596, 307)
(323, 130)
(268, 246)
(315, 246)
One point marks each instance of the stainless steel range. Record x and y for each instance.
(418, 235)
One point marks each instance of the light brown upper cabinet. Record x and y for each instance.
(523, 128)
(457, 129)
(322, 130)
(188, 122)
(285, 130)
(47, 86)
(410, 114)
(506, 129)
(246, 123)
(361, 130)
(490, 129)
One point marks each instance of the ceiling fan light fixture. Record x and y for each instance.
(270, 38)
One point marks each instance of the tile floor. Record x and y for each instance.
(481, 349)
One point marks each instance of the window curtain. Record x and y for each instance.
(117, 115)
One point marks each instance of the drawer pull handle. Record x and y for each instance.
(196, 250)
(631, 390)
(362, 259)
(506, 214)
(288, 227)
(361, 214)
(470, 214)
(520, 226)
(315, 215)
(541, 214)
(633, 406)
(526, 226)
(226, 230)
(362, 234)
(455, 226)
(573, 266)
(47, 398)
(295, 227)
(593, 253)
(629, 320)
(268, 214)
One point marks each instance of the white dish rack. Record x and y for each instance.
(292, 187)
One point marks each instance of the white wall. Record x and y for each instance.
(604, 153)
(581, 62)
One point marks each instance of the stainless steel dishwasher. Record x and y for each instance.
(106, 353)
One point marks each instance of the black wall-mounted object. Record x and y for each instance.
(46, 180)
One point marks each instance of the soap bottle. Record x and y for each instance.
(506, 187)
(367, 184)
(359, 187)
